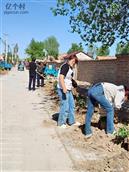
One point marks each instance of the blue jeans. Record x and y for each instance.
(67, 108)
(39, 78)
(96, 95)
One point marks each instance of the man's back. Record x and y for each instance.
(32, 68)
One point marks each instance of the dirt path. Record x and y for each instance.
(28, 141)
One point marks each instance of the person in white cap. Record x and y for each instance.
(109, 96)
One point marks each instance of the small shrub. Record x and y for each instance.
(122, 137)
(123, 132)
(80, 102)
(55, 86)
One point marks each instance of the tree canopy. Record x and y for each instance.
(97, 20)
(125, 49)
(120, 49)
(103, 51)
(38, 49)
(75, 47)
(35, 49)
(52, 46)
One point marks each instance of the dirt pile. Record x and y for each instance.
(100, 153)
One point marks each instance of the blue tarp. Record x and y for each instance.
(51, 70)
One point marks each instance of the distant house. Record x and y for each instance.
(105, 57)
(60, 58)
(80, 55)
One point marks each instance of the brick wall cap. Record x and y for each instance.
(122, 55)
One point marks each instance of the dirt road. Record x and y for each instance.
(27, 143)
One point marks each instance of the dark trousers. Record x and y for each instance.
(32, 82)
(38, 80)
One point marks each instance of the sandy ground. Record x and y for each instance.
(29, 137)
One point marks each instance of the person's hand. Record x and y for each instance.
(65, 90)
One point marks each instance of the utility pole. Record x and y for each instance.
(3, 42)
(6, 49)
(12, 52)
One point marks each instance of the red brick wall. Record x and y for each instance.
(97, 71)
(114, 71)
(122, 75)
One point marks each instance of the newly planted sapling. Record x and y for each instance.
(123, 132)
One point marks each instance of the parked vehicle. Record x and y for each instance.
(20, 66)
(5, 65)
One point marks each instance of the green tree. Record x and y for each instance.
(96, 20)
(9, 57)
(75, 47)
(120, 49)
(125, 49)
(103, 51)
(52, 46)
(35, 49)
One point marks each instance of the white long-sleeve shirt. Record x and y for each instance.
(114, 94)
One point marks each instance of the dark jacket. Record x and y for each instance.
(32, 68)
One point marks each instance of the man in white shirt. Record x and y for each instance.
(109, 96)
